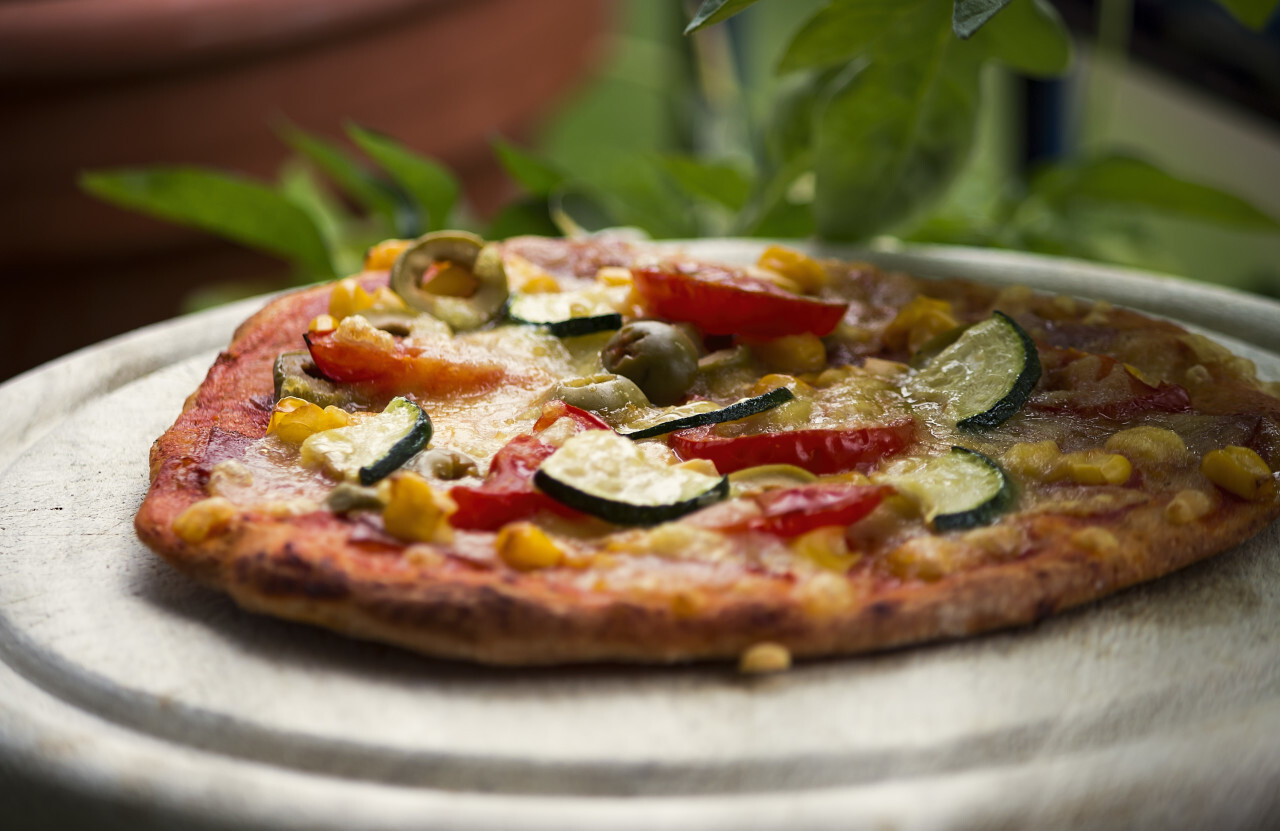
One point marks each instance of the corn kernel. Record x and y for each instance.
(614, 275)
(1152, 447)
(383, 255)
(348, 297)
(806, 272)
(1095, 541)
(1092, 468)
(792, 353)
(765, 657)
(1240, 471)
(919, 321)
(541, 284)
(322, 323)
(827, 547)
(1041, 460)
(526, 547)
(295, 419)
(386, 300)
(1187, 506)
(204, 519)
(414, 510)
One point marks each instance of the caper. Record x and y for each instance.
(657, 356)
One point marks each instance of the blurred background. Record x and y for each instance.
(1158, 146)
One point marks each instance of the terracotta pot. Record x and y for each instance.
(103, 83)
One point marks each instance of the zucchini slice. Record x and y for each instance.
(984, 377)
(960, 489)
(371, 449)
(562, 313)
(739, 409)
(600, 473)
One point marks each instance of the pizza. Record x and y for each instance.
(544, 451)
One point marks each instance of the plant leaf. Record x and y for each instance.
(523, 216)
(971, 15)
(1252, 13)
(714, 11)
(717, 182)
(370, 192)
(428, 182)
(1127, 181)
(844, 30)
(894, 133)
(238, 209)
(536, 176)
(1029, 37)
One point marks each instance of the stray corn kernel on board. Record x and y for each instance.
(545, 451)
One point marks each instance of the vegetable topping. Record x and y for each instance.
(721, 301)
(984, 377)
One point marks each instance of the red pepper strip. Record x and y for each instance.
(817, 451)
(721, 301)
(439, 368)
(794, 511)
(555, 410)
(507, 493)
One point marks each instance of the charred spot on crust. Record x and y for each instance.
(883, 609)
(288, 574)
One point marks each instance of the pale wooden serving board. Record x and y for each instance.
(130, 697)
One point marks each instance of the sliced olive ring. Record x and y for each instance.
(465, 307)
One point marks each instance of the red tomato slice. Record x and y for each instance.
(507, 493)
(817, 451)
(437, 368)
(720, 301)
(794, 511)
(555, 410)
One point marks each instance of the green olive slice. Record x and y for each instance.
(456, 255)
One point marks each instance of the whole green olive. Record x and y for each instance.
(657, 356)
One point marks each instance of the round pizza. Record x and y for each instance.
(542, 451)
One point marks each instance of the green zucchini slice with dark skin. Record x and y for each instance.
(542, 310)
(740, 409)
(600, 473)
(371, 449)
(957, 490)
(982, 378)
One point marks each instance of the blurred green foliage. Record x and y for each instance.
(840, 119)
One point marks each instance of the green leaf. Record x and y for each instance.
(1252, 13)
(895, 133)
(719, 182)
(368, 191)
(536, 176)
(428, 182)
(524, 216)
(238, 209)
(714, 11)
(1130, 182)
(1029, 37)
(844, 30)
(971, 15)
